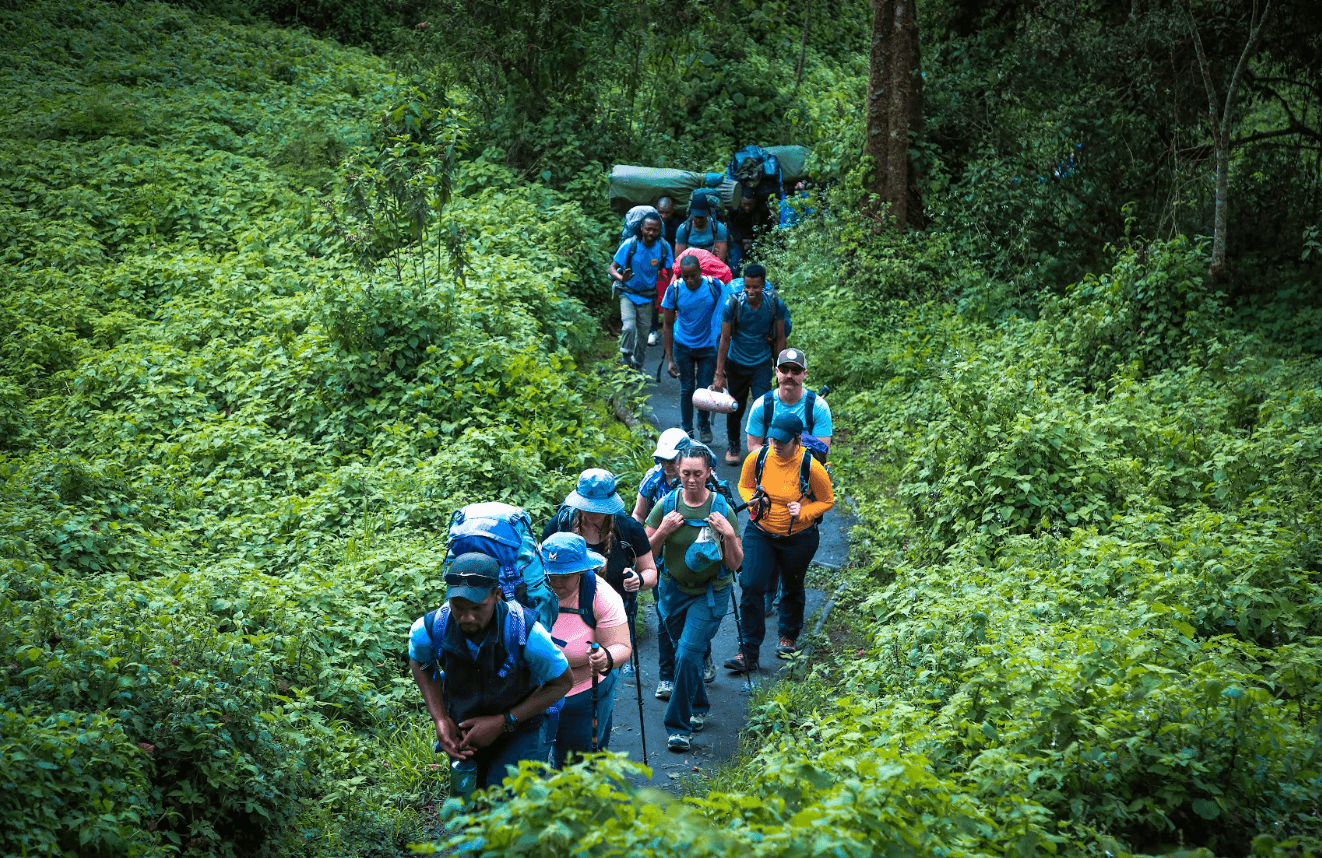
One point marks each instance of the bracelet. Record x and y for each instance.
(610, 659)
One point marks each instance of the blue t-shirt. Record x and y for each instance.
(647, 264)
(543, 657)
(694, 311)
(705, 239)
(821, 415)
(654, 486)
(750, 343)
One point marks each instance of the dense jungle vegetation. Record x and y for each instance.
(286, 283)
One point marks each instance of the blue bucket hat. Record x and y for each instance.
(566, 553)
(595, 492)
(700, 556)
(472, 576)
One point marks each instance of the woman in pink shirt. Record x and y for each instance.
(590, 611)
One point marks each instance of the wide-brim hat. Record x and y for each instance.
(595, 492)
(566, 553)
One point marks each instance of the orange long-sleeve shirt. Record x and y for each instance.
(780, 478)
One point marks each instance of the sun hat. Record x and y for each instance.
(472, 576)
(670, 443)
(792, 356)
(703, 554)
(785, 427)
(566, 553)
(595, 492)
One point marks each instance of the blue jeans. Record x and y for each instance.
(501, 758)
(692, 621)
(765, 556)
(665, 647)
(746, 384)
(697, 367)
(574, 732)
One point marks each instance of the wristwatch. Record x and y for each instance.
(511, 723)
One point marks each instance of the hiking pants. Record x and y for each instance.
(501, 758)
(766, 555)
(746, 384)
(692, 621)
(666, 649)
(697, 368)
(574, 732)
(634, 321)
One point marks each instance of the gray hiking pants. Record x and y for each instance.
(634, 322)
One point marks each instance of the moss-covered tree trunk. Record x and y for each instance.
(895, 110)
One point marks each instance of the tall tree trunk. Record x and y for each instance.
(1222, 126)
(894, 100)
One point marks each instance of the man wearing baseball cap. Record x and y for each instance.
(487, 674)
(789, 396)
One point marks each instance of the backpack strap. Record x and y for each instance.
(768, 409)
(805, 474)
(587, 594)
(515, 632)
(760, 463)
(809, 408)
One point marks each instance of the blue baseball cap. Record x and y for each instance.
(472, 576)
(785, 427)
(566, 553)
(595, 492)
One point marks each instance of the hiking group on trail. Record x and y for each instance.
(522, 661)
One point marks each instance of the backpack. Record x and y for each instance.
(505, 532)
(779, 309)
(634, 220)
(514, 632)
(718, 504)
(712, 196)
(758, 171)
(805, 473)
(811, 442)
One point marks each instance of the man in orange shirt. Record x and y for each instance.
(781, 537)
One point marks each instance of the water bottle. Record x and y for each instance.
(463, 779)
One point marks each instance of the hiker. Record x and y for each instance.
(637, 264)
(487, 670)
(696, 533)
(703, 231)
(589, 613)
(752, 332)
(749, 220)
(789, 396)
(670, 221)
(689, 337)
(781, 537)
(594, 511)
(659, 481)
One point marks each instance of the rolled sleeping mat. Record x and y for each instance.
(641, 186)
(706, 399)
(793, 163)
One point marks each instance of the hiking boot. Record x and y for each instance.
(739, 664)
(664, 689)
(653, 337)
(678, 742)
(708, 670)
(704, 434)
(696, 722)
(786, 648)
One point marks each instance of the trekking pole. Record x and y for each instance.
(595, 646)
(638, 682)
(739, 635)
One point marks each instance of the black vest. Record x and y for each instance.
(475, 688)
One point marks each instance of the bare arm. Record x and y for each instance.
(641, 508)
(780, 335)
(721, 250)
(668, 342)
(718, 381)
(616, 640)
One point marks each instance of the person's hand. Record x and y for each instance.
(670, 523)
(597, 658)
(632, 582)
(672, 369)
(718, 380)
(626, 274)
(795, 508)
(480, 731)
(720, 524)
(448, 735)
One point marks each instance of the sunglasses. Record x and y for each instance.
(791, 369)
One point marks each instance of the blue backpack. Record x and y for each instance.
(505, 533)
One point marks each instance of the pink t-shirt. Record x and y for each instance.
(608, 608)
